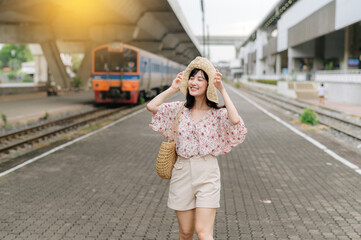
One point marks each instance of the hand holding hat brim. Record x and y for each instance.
(218, 80)
(205, 65)
(177, 81)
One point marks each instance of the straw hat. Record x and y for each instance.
(206, 66)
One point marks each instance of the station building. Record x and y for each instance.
(307, 40)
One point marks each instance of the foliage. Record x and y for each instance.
(75, 62)
(93, 126)
(238, 84)
(264, 81)
(76, 82)
(11, 75)
(141, 100)
(309, 116)
(46, 116)
(329, 66)
(13, 55)
(14, 64)
(5, 120)
(27, 78)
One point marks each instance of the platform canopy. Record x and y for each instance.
(157, 26)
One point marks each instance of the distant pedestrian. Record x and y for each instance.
(321, 94)
(205, 131)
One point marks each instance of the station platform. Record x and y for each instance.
(347, 109)
(275, 185)
(29, 107)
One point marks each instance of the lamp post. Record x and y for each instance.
(203, 27)
(208, 40)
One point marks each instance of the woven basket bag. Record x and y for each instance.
(167, 154)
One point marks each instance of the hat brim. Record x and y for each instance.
(205, 65)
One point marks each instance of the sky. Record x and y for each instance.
(226, 17)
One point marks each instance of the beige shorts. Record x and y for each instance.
(195, 183)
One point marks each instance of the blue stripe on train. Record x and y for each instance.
(115, 76)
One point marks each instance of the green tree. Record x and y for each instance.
(13, 55)
(76, 60)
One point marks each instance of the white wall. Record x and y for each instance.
(299, 11)
(250, 47)
(242, 55)
(282, 88)
(347, 12)
(344, 92)
(260, 41)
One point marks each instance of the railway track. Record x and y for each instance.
(44, 132)
(348, 126)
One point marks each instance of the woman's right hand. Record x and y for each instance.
(176, 82)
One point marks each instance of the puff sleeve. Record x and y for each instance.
(229, 135)
(163, 120)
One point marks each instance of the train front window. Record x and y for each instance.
(130, 60)
(113, 61)
(101, 60)
(116, 61)
(125, 61)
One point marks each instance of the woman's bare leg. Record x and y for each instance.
(186, 224)
(204, 223)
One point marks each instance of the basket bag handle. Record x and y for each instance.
(175, 125)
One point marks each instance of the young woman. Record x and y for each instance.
(204, 132)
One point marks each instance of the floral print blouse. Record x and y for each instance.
(214, 134)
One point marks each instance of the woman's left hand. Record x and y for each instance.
(218, 80)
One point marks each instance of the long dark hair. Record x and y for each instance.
(191, 99)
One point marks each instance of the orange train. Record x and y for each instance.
(126, 74)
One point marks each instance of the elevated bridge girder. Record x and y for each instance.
(157, 26)
(235, 41)
(222, 40)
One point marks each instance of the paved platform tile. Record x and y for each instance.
(275, 185)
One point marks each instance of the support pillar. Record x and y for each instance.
(260, 67)
(56, 66)
(278, 64)
(238, 46)
(291, 61)
(41, 69)
(352, 45)
(41, 66)
(346, 53)
(318, 63)
(85, 68)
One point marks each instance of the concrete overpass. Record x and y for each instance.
(235, 41)
(77, 26)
